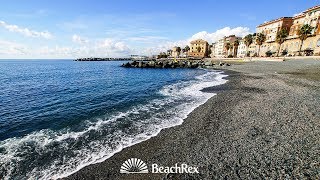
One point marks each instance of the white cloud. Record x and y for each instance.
(210, 37)
(215, 36)
(113, 45)
(25, 31)
(99, 48)
(79, 40)
(8, 48)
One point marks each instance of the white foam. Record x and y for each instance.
(99, 150)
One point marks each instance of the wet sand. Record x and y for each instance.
(264, 123)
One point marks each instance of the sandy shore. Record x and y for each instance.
(264, 123)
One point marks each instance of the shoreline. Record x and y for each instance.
(220, 76)
(252, 128)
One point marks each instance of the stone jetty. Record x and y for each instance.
(172, 64)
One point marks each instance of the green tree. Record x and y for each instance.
(187, 48)
(179, 49)
(162, 55)
(260, 39)
(231, 48)
(248, 39)
(235, 45)
(281, 37)
(227, 46)
(209, 50)
(303, 33)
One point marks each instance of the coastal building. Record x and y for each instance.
(176, 51)
(271, 28)
(242, 49)
(312, 43)
(312, 18)
(298, 22)
(213, 50)
(292, 44)
(230, 39)
(169, 52)
(253, 49)
(198, 48)
(219, 48)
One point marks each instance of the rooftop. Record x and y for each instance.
(299, 16)
(312, 8)
(198, 41)
(274, 21)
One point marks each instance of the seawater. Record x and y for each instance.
(57, 116)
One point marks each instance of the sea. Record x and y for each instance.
(58, 116)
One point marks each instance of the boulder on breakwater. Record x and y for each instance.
(170, 64)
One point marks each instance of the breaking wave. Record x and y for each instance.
(50, 154)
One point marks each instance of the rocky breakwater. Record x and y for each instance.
(172, 64)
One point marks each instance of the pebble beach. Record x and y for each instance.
(264, 123)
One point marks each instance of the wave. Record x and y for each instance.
(49, 154)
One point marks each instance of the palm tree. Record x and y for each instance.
(248, 39)
(227, 46)
(178, 49)
(187, 48)
(303, 33)
(281, 37)
(235, 45)
(231, 47)
(260, 40)
(209, 50)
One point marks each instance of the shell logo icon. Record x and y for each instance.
(134, 165)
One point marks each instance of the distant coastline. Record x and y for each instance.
(102, 59)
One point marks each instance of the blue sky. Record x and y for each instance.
(70, 28)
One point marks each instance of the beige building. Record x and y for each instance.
(230, 39)
(176, 51)
(198, 48)
(213, 50)
(271, 28)
(312, 43)
(242, 49)
(219, 48)
(298, 22)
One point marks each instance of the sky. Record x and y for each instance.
(67, 29)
